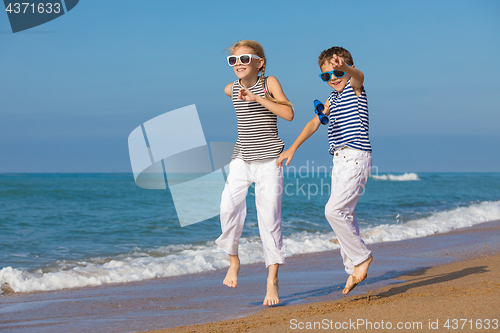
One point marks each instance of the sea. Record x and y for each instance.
(64, 230)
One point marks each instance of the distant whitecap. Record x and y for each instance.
(404, 177)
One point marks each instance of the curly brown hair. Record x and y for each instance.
(326, 55)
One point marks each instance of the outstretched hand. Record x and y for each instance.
(246, 95)
(337, 62)
(286, 155)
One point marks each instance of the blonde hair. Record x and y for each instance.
(259, 51)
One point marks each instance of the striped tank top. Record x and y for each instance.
(348, 120)
(257, 127)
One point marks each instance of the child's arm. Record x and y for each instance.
(310, 128)
(357, 76)
(227, 89)
(282, 111)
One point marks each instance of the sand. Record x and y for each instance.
(460, 296)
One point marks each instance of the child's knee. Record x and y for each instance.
(229, 206)
(226, 209)
(333, 210)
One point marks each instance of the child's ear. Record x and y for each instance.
(261, 63)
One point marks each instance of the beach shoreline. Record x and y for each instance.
(181, 301)
(436, 298)
(441, 298)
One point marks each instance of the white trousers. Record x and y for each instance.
(268, 195)
(351, 169)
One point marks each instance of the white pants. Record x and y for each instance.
(351, 169)
(268, 194)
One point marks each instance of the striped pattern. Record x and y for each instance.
(348, 120)
(257, 130)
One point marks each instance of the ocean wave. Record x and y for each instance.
(404, 177)
(175, 260)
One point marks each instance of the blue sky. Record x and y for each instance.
(73, 89)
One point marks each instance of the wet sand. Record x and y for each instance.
(464, 295)
(445, 276)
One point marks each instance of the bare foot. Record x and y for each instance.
(272, 296)
(359, 273)
(231, 279)
(349, 285)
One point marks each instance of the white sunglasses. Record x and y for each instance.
(244, 59)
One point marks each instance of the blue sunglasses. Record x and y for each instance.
(327, 76)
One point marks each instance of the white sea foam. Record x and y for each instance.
(404, 177)
(175, 260)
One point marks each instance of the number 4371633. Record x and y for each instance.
(26, 7)
(460, 324)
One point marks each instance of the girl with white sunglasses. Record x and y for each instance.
(258, 101)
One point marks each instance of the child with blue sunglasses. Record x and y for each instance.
(258, 101)
(347, 108)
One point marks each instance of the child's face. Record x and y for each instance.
(336, 83)
(250, 70)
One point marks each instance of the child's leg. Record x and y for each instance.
(268, 197)
(359, 271)
(272, 295)
(231, 279)
(232, 216)
(349, 176)
(349, 249)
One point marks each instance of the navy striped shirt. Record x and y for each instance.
(348, 120)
